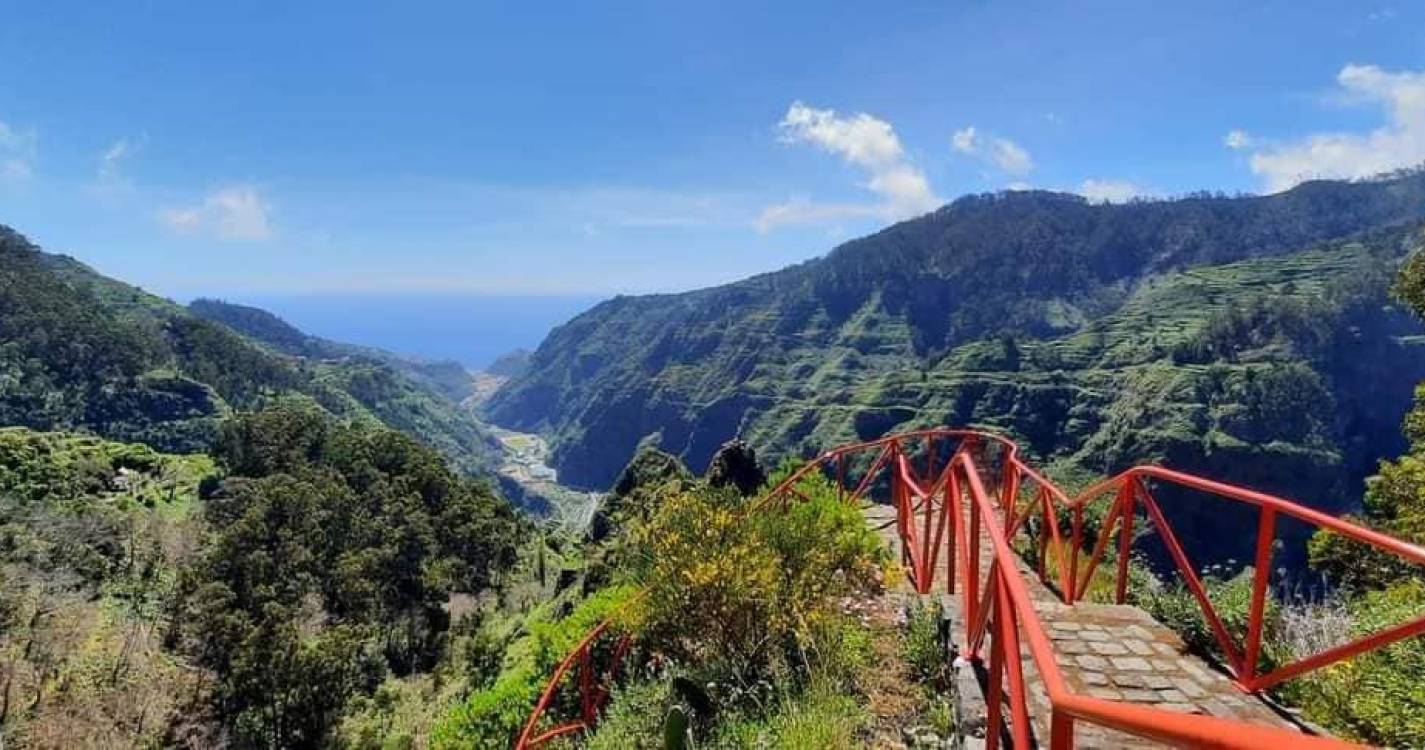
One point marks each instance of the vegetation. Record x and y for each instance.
(741, 639)
(90, 535)
(310, 565)
(509, 364)
(492, 717)
(443, 378)
(334, 551)
(744, 595)
(245, 599)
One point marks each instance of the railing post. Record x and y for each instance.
(1126, 496)
(1266, 533)
(1073, 588)
(1007, 630)
(972, 550)
(937, 542)
(952, 507)
(1009, 495)
(1043, 543)
(995, 699)
(898, 499)
(1061, 731)
(841, 477)
(927, 505)
(586, 684)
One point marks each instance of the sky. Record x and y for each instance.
(583, 149)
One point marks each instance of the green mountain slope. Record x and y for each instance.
(82, 351)
(1241, 336)
(444, 378)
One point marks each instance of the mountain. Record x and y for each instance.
(510, 364)
(83, 351)
(446, 378)
(1250, 337)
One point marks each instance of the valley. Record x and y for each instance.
(523, 461)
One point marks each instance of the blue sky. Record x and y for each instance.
(250, 149)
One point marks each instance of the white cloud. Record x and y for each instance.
(112, 159)
(1400, 142)
(1237, 140)
(231, 213)
(1008, 156)
(1011, 157)
(1110, 191)
(964, 140)
(17, 154)
(863, 141)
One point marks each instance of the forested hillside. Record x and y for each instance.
(84, 351)
(243, 599)
(1250, 338)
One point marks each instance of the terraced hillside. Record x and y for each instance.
(1230, 336)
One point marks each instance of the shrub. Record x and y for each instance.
(1376, 697)
(731, 592)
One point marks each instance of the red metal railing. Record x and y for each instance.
(595, 687)
(1131, 491)
(947, 512)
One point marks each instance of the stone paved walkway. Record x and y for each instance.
(1116, 652)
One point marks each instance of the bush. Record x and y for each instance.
(737, 593)
(1376, 697)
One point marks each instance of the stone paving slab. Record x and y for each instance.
(1116, 652)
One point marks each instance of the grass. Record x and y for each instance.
(820, 718)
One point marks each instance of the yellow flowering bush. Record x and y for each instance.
(739, 593)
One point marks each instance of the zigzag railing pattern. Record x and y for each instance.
(944, 511)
